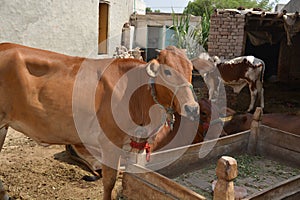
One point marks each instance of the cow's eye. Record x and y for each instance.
(203, 113)
(167, 72)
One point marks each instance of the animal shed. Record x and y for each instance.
(273, 37)
(262, 141)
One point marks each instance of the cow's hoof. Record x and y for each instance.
(93, 178)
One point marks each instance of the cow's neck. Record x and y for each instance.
(144, 110)
(140, 104)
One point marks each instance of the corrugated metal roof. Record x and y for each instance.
(254, 12)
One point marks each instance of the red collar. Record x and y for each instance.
(141, 146)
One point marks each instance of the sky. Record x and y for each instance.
(177, 5)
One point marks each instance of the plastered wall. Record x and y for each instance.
(65, 26)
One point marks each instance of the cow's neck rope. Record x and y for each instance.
(169, 110)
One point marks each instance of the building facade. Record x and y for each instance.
(154, 31)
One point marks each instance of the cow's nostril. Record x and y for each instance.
(187, 108)
(191, 110)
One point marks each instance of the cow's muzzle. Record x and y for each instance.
(192, 112)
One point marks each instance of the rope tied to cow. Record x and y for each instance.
(169, 119)
(141, 146)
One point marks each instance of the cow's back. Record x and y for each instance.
(232, 72)
(36, 90)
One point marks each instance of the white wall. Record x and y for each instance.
(65, 26)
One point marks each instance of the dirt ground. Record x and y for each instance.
(33, 172)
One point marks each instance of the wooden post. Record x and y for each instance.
(226, 172)
(252, 144)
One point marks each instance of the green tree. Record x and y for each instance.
(148, 10)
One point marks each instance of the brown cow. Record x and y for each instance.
(283, 121)
(237, 73)
(59, 99)
(210, 126)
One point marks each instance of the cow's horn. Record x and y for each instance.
(152, 68)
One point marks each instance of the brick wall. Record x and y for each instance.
(226, 37)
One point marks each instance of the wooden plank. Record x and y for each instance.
(276, 144)
(135, 188)
(254, 131)
(197, 156)
(279, 154)
(279, 138)
(281, 190)
(154, 186)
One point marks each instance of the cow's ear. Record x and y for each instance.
(152, 68)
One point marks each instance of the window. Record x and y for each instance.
(170, 37)
(155, 37)
(158, 37)
(154, 41)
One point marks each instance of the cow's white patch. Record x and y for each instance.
(237, 60)
(250, 59)
(238, 85)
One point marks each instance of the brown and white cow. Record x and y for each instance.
(59, 99)
(237, 73)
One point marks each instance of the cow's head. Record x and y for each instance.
(172, 73)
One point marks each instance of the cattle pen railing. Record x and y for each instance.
(261, 140)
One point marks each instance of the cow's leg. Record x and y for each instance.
(3, 132)
(211, 84)
(81, 154)
(260, 91)
(253, 93)
(3, 193)
(110, 166)
(262, 100)
(109, 179)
